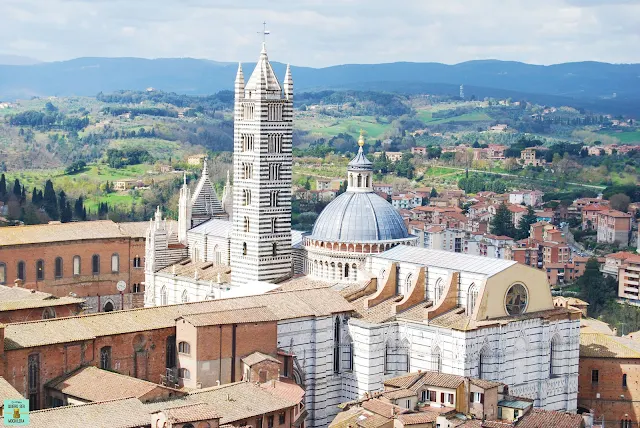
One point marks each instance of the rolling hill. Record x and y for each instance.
(599, 86)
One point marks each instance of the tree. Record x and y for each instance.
(620, 202)
(502, 222)
(434, 193)
(17, 189)
(3, 186)
(79, 212)
(595, 288)
(525, 223)
(62, 203)
(66, 214)
(50, 201)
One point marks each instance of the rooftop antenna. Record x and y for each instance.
(264, 32)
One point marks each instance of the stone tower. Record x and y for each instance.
(184, 211)
(263, 123)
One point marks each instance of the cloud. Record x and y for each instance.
(325, 32)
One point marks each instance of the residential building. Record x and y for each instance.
(613, 227)
(629, 280)
(419, 151)
(526, 197)
(383, 188)
(590, 216)
(614, 261)
(531, 157)
(501, 127)
(86, 259)
(406, 201)
(608, 379)
(124, 184)
(394, 156)
(572, 302)
(329, 184)
(197, 160)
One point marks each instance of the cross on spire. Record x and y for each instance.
(264, 32)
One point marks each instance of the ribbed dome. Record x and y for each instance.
(359, 217)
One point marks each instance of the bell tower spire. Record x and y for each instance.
(262, 159)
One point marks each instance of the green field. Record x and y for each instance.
(477, 116)
(327, 126)
(158, 148)
(624, 137)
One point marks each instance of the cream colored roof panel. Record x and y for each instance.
(447, 260)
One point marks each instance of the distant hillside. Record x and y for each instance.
(587, 84)
(17, 60)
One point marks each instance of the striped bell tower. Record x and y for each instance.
(262, 158)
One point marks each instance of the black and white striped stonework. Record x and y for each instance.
(262, 160)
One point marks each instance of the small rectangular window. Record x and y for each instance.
(281, 418)
(594, 376)
(270, 421)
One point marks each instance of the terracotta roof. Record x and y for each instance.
(366, 420)
(13, 298)
(538, 418)
(129, 413)
(599, 345)
(398, 393)
(441, 380)
(8, 392)
(615, 213)
(418, 418)
(234, 401)
(284, 305)
(383, 408)
(207, 271)
(136, 229)
(258, 357)
(622, 255)
(112, 386)
(591, 325)
(403, 381)
(285, 389)
(233, 316)
(75, 231)
(191, 413)
(485, 384)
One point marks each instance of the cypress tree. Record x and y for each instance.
(3, 186)
(34, 196)
(62, 202)
(17, 188)
(66, 214)
(502, 223)
(50, 201)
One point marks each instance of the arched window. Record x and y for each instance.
(59, 268)
(244, 248)
(105, 357)
(115, 263)
(346, 271)
(438, 290)
(555, 357)
(472, 296)
(246, 224)
(40, 270)
(108, 307)
(95, 264)
(336, 345)
(185, 296)
(21, 273)
(274, 249)
(184, 348)
(355, 272)
(624, 380)
(407, 284)
(184, 373)
(76, 265)
(163, 295)
(3, 273)
(48, 313)
(273, 225)
(347, 355)
(436, 359)
(33, 370)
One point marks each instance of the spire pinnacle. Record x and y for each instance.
(239, 74)
(184, 178)
(361, 139)
(228, 181)
(205, 168)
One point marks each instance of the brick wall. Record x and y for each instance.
(35, 314)
(616, 402)
(85, 284)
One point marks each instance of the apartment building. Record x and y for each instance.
(613, 227)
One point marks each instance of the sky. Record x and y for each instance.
(319, 33)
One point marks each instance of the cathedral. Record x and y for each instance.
(412, 308)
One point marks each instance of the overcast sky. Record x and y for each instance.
(325, 32)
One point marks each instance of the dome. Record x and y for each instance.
(359, 217)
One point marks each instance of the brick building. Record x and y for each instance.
(613, 227)
(19, 305)
(608, 379)
(84, 258)
(199, 344)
